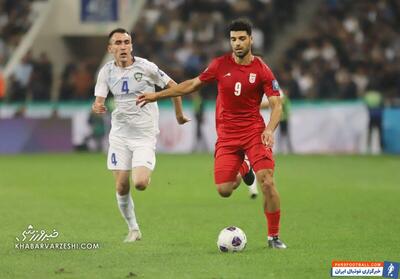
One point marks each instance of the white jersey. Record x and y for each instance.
(126, 84)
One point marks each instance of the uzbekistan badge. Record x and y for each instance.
(138, 76)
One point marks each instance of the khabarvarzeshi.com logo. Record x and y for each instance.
(41, 239)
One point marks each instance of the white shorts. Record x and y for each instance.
(128, 154)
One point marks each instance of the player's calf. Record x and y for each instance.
(122, 185)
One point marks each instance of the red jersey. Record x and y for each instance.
(240, 91)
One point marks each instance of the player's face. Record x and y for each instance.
(240, 43)
(120, 46)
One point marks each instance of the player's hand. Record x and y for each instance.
(145, 98)
(182, 119)
(99, 108)
(267, 138)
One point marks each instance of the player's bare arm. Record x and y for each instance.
(267, 136)
(183, 88)
(98, 105)
(264, 104)
(180, 117)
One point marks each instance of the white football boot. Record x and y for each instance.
(133, 235)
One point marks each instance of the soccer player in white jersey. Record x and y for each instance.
(133, 134)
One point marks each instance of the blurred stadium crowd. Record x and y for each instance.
(351, 47)
(15, 20)
(182, 37)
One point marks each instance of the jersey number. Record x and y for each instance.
(113, 159)
(238, 88)
(125, 87)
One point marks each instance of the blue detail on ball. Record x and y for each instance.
(236, 241)
(223, 249)
(231, 228)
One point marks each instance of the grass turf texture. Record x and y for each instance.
(333, 207)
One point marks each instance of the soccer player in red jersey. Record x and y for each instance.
(242, 81)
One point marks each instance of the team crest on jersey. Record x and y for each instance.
(252, 78)
(138, 76)
(275, 85)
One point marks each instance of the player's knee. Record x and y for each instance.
(268, 184)
(225, 194)
(224, 191)
(141, 184)
(122, 188)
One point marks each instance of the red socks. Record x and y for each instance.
(273, 222)
(244, 168)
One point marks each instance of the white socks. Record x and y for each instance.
(126, 206)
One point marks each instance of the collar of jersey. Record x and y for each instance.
(247, 65)
(127, 67)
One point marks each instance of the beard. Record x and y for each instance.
(243, 53)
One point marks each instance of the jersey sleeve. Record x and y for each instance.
(159, 78)
(270, 84)
(210, 73)
(101, 88)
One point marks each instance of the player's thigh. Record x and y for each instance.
(260, 156)
(119, 156)
(226, 164)
(144, 156)
(141, 175)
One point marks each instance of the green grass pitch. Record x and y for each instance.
(333, 208)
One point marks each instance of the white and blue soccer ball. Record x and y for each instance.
(231, 239)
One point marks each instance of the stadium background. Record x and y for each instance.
(337, 60)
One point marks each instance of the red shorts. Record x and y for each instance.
(229, 155)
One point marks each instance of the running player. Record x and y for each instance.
(242, 81)
(133, 134)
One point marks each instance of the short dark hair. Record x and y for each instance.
(118, 30)
(241, 24)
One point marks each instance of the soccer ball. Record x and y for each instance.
(231, 239)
